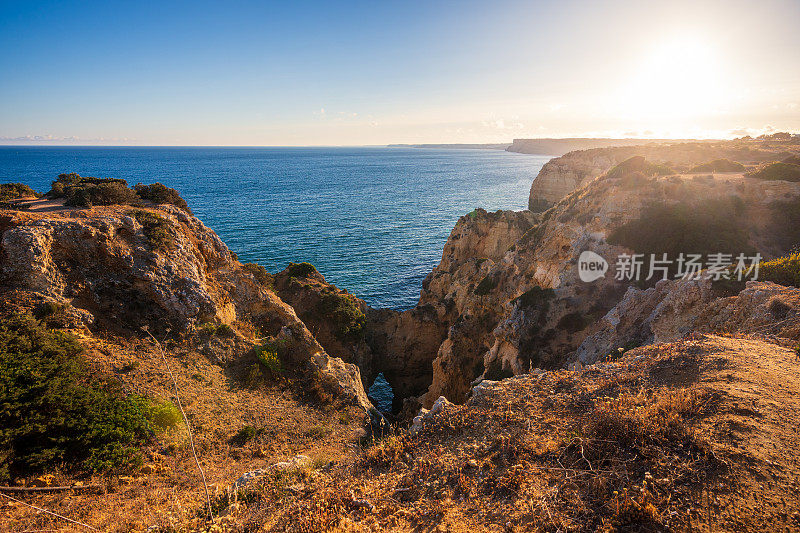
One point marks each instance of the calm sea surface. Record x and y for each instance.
(372, 220)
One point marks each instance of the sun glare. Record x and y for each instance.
(675, 83)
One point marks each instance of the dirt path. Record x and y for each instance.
(756, 432)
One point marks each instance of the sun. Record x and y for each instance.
(675, 83)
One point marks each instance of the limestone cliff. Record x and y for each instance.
(528, 308)
(117, 268)
(562, 175)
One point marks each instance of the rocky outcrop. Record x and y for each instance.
(122, 269)
(674, 308)
(562, 175)
(400, 345)
(532, 309)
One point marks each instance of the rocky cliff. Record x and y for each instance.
(508, 287)
(562, 175)
(117, 269)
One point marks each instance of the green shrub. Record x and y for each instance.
(259, 273)
(155, 228)
(9, 191)
(163, 415)
(245, 435)
(48, 308)
(534, 298)
(53, 412)
(777, 171)
(783, 271)
(268, 355)
(159, 193)
(486, 285)
(344, 313)
(224, 330)
(719, 165)
(206, 329)
(318, 432)
(87, 192)
(300, 270)
(638, 164)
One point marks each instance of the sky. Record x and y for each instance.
(370, 73)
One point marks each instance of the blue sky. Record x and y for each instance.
(292, 73)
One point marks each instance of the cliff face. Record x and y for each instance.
(673, 308)
(527, 307)
(118, 269)
(562, 175)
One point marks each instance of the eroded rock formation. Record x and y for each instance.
(121, 269)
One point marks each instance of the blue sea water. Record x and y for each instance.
(373, 220)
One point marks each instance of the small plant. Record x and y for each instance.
(777, 171)
(130, 366)
(485, 286)
(638, 165)
(245, 435)
(224, 330)
(346, 315)
(206, 329)
(47, 309)
(155, 228)
(318, 432)
(300, 270)
(54, 412)
(259, 273)
(718, 165)
(161, 194)
(534, 297)
(10, 191)
(163, 415)
(268, 356)
(783, 271)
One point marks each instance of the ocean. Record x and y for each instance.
(373, 220)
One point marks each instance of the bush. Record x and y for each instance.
(9, 191)
(777, 171)
(163, 415)
(719, 165)
(244, 435)
(159, 193)
(268, 355)
(783, 271)
(300, 270)
(259, 273)
(639, 164)
(155, 228)
(535, 297)
(318, 432)
(486, 285)
(344, 314)
(224, 330)
(87, 192)
(54, 413)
